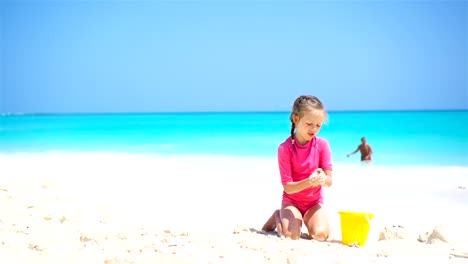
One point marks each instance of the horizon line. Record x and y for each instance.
(221, 112)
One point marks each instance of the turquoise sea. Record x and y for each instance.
(397, 137)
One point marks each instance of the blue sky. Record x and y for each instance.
(162, 56)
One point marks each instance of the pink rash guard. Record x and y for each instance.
(296, 163)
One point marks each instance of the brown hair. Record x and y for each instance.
(302, 104)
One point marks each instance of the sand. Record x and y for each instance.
(60, 207)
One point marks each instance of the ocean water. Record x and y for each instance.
(397, 138)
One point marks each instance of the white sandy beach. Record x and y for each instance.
(135, 208)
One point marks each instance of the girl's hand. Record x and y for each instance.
(317, 177)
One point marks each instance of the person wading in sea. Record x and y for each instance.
(366, 151)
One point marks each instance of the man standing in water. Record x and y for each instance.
(366, 151)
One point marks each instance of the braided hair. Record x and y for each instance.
(302, 104)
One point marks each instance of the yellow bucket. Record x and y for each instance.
(355, 227)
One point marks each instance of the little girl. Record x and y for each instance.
(305, 166)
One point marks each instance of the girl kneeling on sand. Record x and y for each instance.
(305, 166)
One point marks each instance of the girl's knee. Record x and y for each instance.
(320, 235)
(291, 231)
(292, 235)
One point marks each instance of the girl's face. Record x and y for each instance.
(309, 125)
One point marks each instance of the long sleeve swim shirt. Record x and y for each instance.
(298, 162)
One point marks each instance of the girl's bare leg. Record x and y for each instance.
(291, 221)
(270, 224)
(274, 222)
(316, 221)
